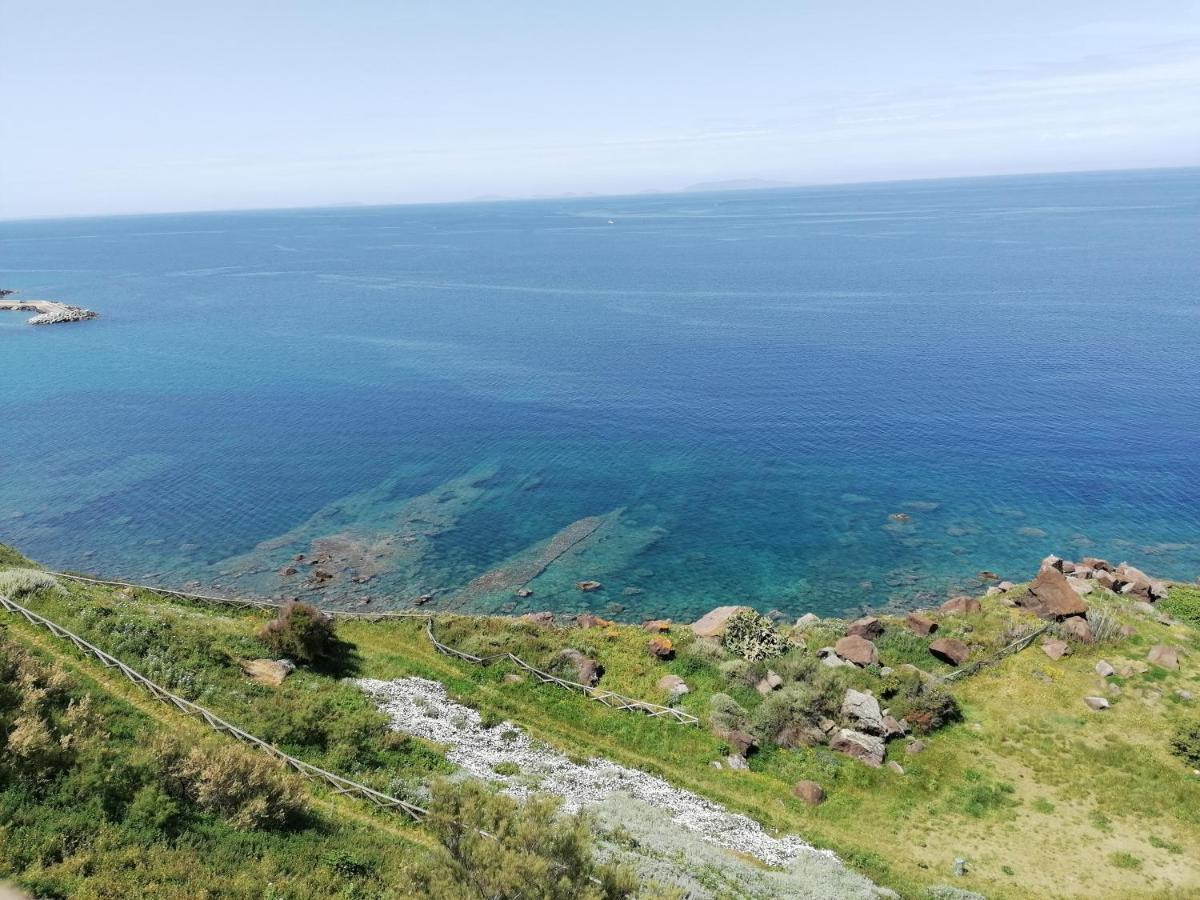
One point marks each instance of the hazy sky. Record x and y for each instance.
(122, 106)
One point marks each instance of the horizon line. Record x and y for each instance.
(773, 185)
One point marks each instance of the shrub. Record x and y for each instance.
(1123, 860)
(247, 789)
(924, 705)
(301, 632)
(726, 714)
(752, 636)
(1185, 743)
(495, 847)
(1183, 603)
(16, 582)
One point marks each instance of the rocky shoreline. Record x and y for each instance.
(49, 312)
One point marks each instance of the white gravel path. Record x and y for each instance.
(421, 707)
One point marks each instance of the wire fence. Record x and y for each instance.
(1015, 647)
(339, 784)
(608, 698)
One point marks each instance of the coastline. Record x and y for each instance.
(48, 312)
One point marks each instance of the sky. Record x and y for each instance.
(123, 106)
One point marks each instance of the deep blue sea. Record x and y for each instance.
(802, 399)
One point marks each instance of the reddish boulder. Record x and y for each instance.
(741, 743)
(1093, 562)
(661, 648)
(950, 650)
(810, 792)
(660, 626)
(1056, 649)
(1078, 628)
(857, 650)
(919, 624)
(712, 624)
(1162, 655)
(541, 619)
(867, 627)
(866, 748)
(961, 606)
(1052, 597)
(591, 620)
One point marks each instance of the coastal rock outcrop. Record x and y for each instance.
(866, 748)
(857, 650)
(950, 650)
(1052, 597)
(712, 623)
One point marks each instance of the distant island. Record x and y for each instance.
(736, 184)
(49, 312)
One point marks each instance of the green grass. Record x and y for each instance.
(1029, 770)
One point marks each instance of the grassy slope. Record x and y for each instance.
(1036, 791)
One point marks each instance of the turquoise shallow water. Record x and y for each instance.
(717, 398)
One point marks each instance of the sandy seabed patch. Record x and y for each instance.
(420, 707)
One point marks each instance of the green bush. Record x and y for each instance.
(752, 636)
(301, 632)
(496, 847)
(1185, 743)
(1182, 602)
(922, 703)
(16, 582)
(726, 714)
(245, 788)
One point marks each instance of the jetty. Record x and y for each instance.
(48, 312)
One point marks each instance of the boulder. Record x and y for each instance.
(658, 626)
(268, 671)
(867, 627)
(1096, 703)
(1100, 565)
(591, 620)
(1104, 669)
(737, 762)
(1081, 586)
(807, 620)
(1131, 580)
(961, 606)
(950, 650)
(993, 591)
(661, 648)
(712, 624)
(741, 743)
(799, 735)
(1051, 596)
(524, 593)
(919, 624)
(673, 686)
(1056, 649)
(1159, 590)
(893, 728)
(866, 748)
(1053, 562)
(829, 657)
(588, 586)
(861, 712)
(582, 669)
(1105, 579)
(1078, 628)
(771, 682)
(541, 619)
(857, 650)
(896, 767)
(914, 746)
(810, 792)
(1006, 585)
(1162, 655)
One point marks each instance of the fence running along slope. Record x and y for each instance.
(339, 784)
(608, 698)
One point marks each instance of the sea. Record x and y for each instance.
(822, 399)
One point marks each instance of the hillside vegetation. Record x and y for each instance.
(1036, 792)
